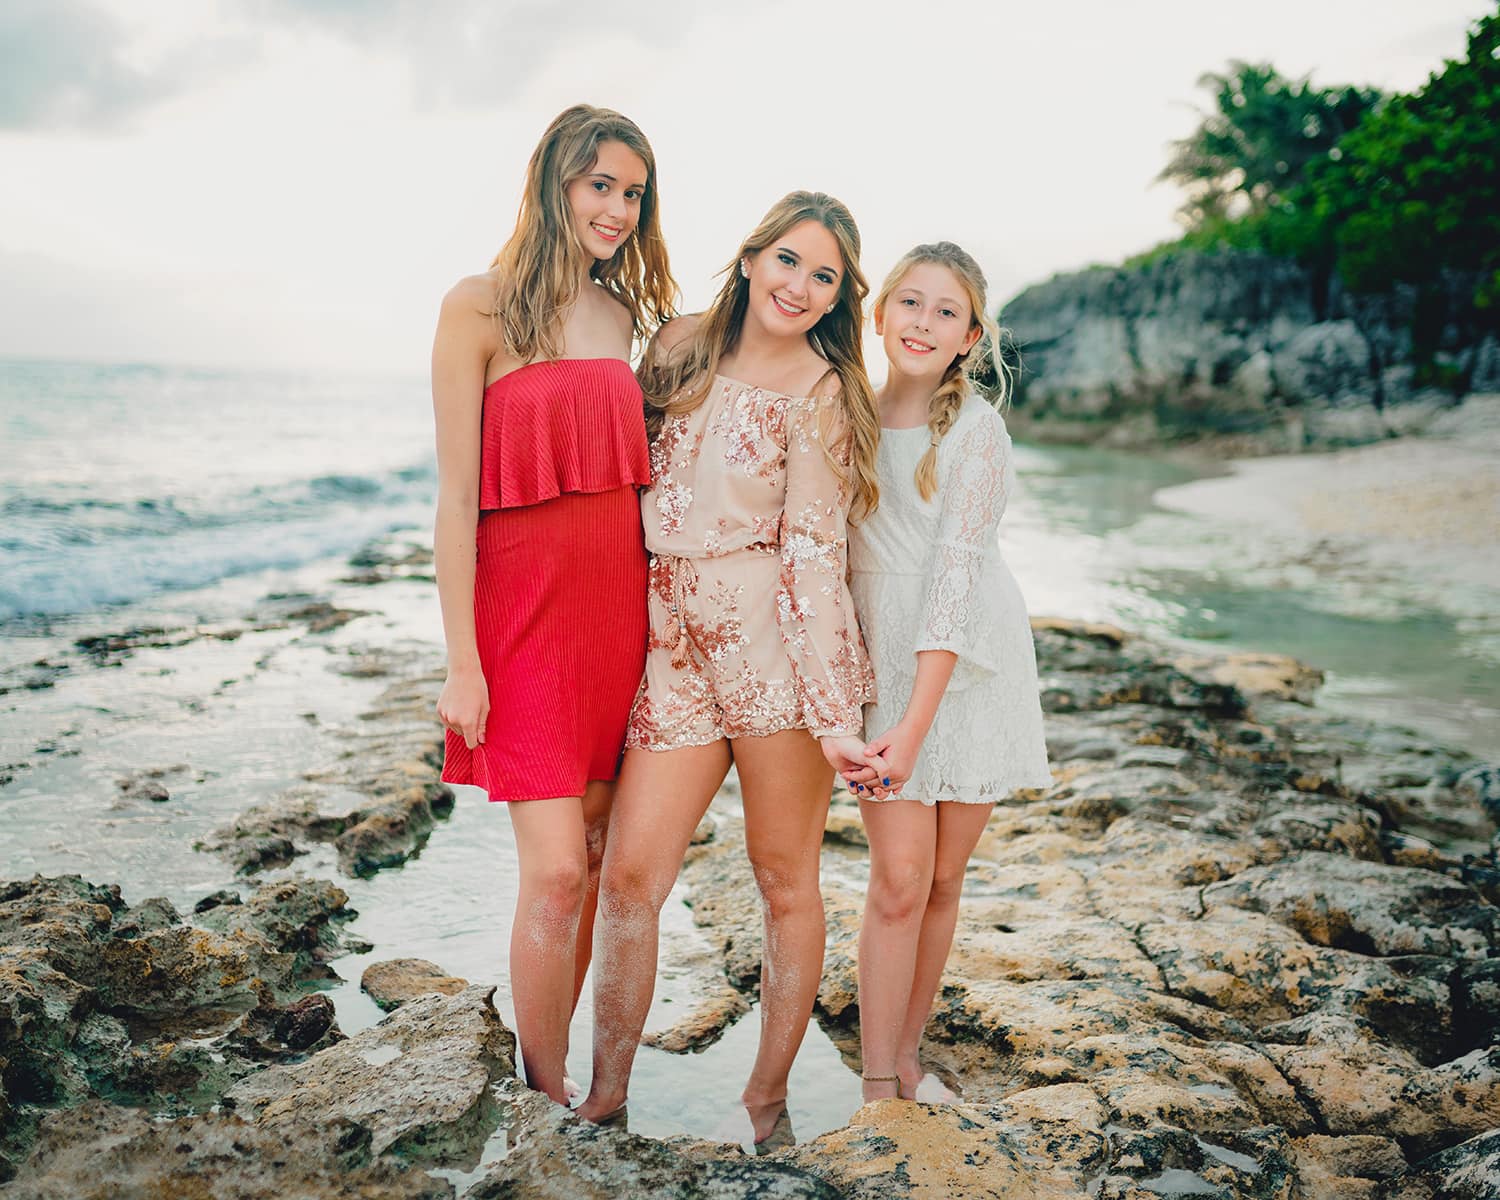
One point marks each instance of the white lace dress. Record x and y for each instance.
(927, 575)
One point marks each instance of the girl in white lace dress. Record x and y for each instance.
(958, 718)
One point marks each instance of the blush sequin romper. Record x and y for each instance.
(752, 630)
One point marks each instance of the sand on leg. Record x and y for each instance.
(550, 845)
(597, 799)
(786, 784)
(659, 800)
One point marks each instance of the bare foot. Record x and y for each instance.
(923, 1086)
(932, 1090)
(764, 1117)
(780, 1137)
(909, 1072)
(571, 1089)
(603, 1110)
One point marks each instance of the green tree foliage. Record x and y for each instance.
(1258, 139)
(1408, 194)
(1414, 190)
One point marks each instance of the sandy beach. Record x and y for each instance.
(1427, 507)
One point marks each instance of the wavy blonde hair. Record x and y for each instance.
(540, 266)
(981, 368)
(677, 382)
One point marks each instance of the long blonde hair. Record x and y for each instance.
(540, 266)
(678, 382)
(983, 367)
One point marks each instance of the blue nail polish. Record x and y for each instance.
(886, 781)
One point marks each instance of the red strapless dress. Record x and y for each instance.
(560, 578)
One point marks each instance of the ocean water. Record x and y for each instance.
(120, 483)
(128, 486)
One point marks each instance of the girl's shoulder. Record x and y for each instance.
(675, 333)
(979, 423)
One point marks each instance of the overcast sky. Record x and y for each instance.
(296, 182)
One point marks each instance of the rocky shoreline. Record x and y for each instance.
(1240, 353)
(1240, 948)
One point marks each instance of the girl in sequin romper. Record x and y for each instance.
(958, 719)
(764, 437)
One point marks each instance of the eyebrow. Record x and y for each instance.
(612, 179)
(949, 300)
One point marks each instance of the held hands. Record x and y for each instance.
(464, 705)
(897, 749)
(848, 756)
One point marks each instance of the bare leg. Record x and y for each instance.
(959, 827)
(903, 838)
(659, 800)
(543, 938)
(596, 805)
(786, 784)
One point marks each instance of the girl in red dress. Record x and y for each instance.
(541, 568)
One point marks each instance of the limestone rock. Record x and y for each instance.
(393, 982)
(557, 1156)
(703, 1026)
(418, 1081)
(1371, 908)
(102, 1152)
(1469, 1171)
(1248, 352)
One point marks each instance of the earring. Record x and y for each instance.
(831, 307)
(745, 267)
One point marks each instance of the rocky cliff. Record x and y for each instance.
(1253, 352)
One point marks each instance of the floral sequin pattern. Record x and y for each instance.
(768, 638)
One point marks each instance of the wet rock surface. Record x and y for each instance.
(1237, 949)
(378, 806)
(418, 1082)
(393, 982)
(558, 1157)
(98, 997)
(100, 1151)
(1240, 947)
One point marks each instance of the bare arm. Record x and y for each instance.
(466, 340)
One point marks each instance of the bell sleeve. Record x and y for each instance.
(814, 611)
(957, 609)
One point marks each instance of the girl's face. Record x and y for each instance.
(795, 280)
(606, 203)
(927, 322)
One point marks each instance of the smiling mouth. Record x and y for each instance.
(917, 347)
(786, 306)
(608, 232)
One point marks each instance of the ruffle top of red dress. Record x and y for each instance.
(565, 425)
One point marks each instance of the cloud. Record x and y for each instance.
(472, 55)
(62, 66)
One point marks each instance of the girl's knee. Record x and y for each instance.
(631, 883)
(898, 891)
(559, 888)
(947, 885)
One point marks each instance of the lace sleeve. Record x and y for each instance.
(813, 608)
(954, 611)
